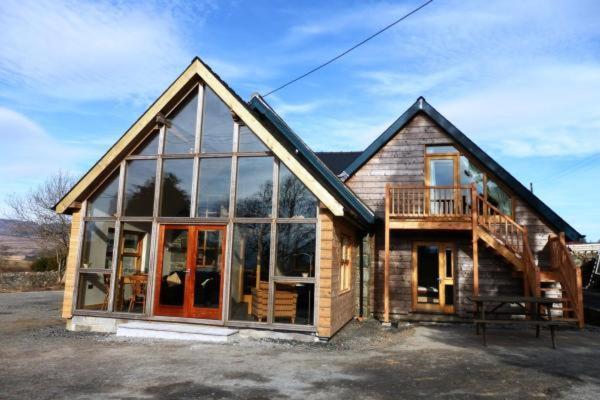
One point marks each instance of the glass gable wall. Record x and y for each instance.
(202, 167)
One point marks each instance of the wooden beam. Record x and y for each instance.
(474, 227)
(386, 263)
(269, 140)
(436, 225)
(196, 68)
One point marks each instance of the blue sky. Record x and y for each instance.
(520, 78)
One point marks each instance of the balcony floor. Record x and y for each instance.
(431, 223)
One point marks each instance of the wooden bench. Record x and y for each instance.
(527, 322)
(530, 313)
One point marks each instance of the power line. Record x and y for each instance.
(350, 49)
(569, 170)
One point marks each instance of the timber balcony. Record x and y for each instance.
(451, 208)
(429, 207)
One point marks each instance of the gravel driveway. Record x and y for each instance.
(40, 360)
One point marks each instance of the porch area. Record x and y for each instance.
(462, 210)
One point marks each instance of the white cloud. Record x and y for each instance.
(92, 50)
(28, 153)
(547, 110)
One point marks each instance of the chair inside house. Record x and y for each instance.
(284, 306)
(138, 290)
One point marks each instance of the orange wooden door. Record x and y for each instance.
(190, 271)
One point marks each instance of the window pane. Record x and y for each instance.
(181, 134)
(217, 125)
(499, 198)
(294, 303)
(176, 188)
(140, 177)
(174, 267)
(214, 187)
(469, 174)
(295, 250)
(208, 274)
(448, 263)
(428, 274)
(149, 147)
(254, 187)
(250, 272)
(441, 149)
(98, 242)
(104, 202)
(132, 267)
(441, 172)
(249, 142)
(93, 292)
(295, 200)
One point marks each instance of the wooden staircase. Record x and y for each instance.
(510, 240)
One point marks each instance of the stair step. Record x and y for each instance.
(549, 276)
(173, 331)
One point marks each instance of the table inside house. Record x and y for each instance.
(525, 310)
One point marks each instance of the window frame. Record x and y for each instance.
(230, 221)
(456, 156)
(345, 276)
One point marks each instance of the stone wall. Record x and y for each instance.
(23, 281)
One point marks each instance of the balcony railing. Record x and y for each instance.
(429, 201)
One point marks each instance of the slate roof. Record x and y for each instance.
(318, 168)
(421, 106)
(337, 161)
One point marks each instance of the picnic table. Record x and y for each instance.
(528, 311)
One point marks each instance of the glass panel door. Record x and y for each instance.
(433, 289)
(208, 272)
(172, 272)
(428, 275)
(441, 175)
(189, 279)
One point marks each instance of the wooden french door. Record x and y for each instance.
(441, 174)
(189, 276)
(433, 277)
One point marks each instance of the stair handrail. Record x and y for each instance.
(514, 241)
(530, 268)
(562, 262)
(515, 238)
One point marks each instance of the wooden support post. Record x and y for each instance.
(386, 262)
(474, 222)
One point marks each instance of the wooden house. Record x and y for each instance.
(211, 210)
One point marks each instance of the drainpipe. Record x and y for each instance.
(361, 276)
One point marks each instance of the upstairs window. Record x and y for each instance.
(248, 142)
(295, 200)
(180, 137)
(140, 178)
(441, 149)
(217, 125)
(104, 202)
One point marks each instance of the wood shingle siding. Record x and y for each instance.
(336, 308)
(402, 161)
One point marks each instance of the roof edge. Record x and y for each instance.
(364, 212)
(421, 105)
